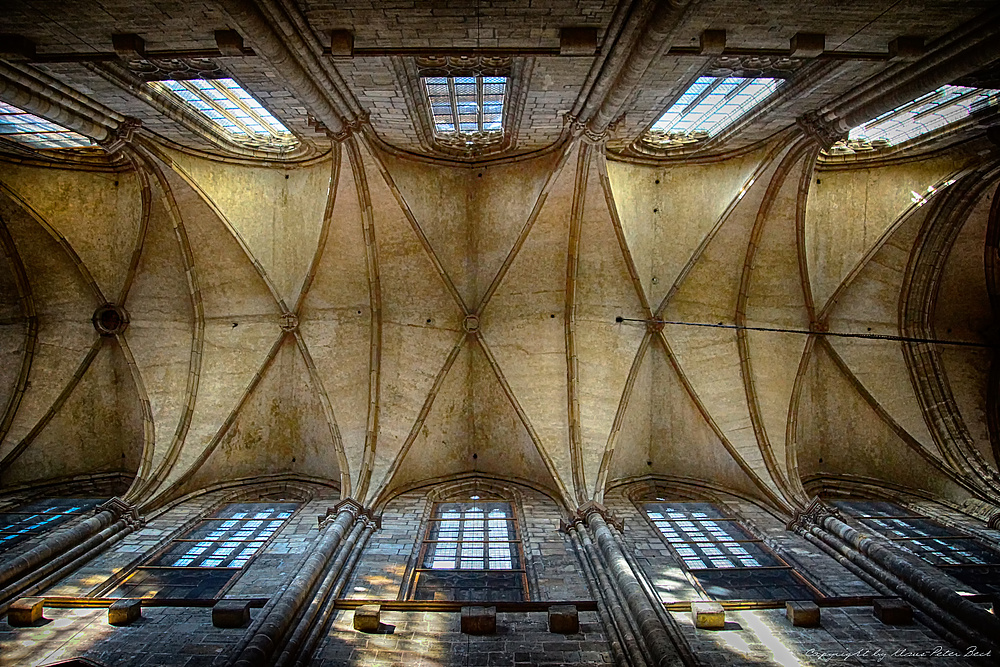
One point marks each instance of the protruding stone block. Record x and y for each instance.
(807, 44)
(231, 613)
(564, 619)
(341, 43)
(128, 46)
(25, 611)
(713, 42)
(230, 42)
(479, 620)
(906, 48)
(802, 613)
(367, 618)
(16, 47)
(580, 41)
(125, 611)
(708, 615)
(893, 611)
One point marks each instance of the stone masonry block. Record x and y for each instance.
(708, 615)
(479, 620)
(124, 611)
(367, 618)
(231, 613)
(564, 619)
(893, 611)
(25, 611)
(802, 613)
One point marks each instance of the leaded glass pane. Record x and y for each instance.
(707, 107)
(36, 518)
(466, 547)
(724, 557)
(233, 109)
(226, 542)
(927, 113)
(37, 132)
(466, 105)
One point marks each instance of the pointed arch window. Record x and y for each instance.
(935, 110)
(950, 550)
(37, 132)
(707, 107)
(209, 557)
(225, 103)
(471, 551)
(724, 558)
(34, 519)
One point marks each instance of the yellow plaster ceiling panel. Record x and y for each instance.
(840, 436)
(64, 305)
(666, 212)
(335, 319)
(162, 324)
(13, 328)
(962, 312)
(524, 324)
(280, 429)
(775, 299)
(663, 433)
(604, 349)
(97, 430)
(471, 428)
(98, 213)
(280, 229)
(710, 358)
(849, 211)
(421, 322)
(241, 324)
(869, 305)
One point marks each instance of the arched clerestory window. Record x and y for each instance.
(36, 518)
(725, 560)
(946, 548)
(471, 551)
(206, 560)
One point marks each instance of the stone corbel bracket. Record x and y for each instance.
(812, 515)
(357, 508)
(580, 516)
(116, 140)
(122, 510)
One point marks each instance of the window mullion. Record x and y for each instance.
(213, 103)
(247, 110)
(453, 96)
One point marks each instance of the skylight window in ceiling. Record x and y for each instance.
(927, 113)
(233, 109)
(707, 108)
(469, 106)
(36, 132)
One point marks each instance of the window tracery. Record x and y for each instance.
(726, 560)
(467, 110)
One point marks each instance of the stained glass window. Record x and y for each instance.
(233, 109)
(708, 107)
(200, 564)
(36, 132)
(471, 551)
(36, 518)
(959, 555)
(929, 112)
(727, 561)
(466, 105)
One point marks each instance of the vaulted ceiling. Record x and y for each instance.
(572, 312)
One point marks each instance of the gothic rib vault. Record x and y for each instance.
(379, 319)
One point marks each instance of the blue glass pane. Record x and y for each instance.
(466, 105)
(710, 105)
(36, 132)
(927, 113)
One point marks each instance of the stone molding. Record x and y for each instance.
(814, 514)
(122, 510)
(356, 508)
